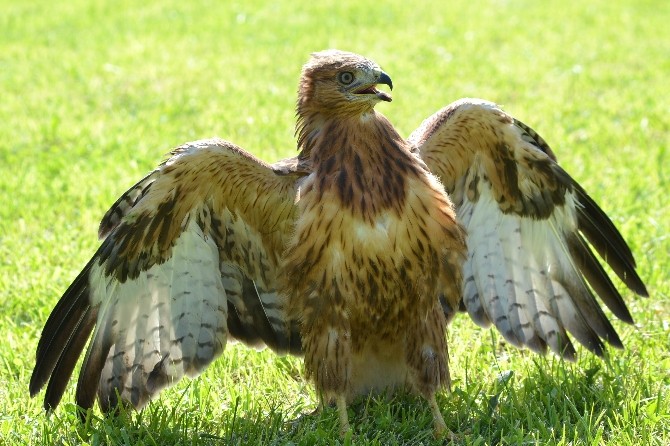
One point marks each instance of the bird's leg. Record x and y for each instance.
(342, 412)
(327, 344)
(427, 357)
(440, 427)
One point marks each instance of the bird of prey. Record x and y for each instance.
(355, 254)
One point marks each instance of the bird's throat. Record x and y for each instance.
(364, 163)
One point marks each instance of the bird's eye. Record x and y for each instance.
(346, 77)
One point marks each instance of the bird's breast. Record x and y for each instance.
(381, 265)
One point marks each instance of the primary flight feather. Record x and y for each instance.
(356, 253)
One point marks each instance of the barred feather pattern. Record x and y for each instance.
(529, 271)
(188, 263)
(513, 278)
(175, 326)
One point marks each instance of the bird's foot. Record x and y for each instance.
(442, 432)
(344, 416)
(440, 429)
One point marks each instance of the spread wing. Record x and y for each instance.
(188, 261)
(530, 270)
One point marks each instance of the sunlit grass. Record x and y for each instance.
(93, 95)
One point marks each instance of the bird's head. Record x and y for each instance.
(336, 82)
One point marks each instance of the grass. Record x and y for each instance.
(94, 93)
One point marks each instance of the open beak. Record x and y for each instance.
(384, 79)
(371, 89)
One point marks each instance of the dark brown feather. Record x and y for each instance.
(598, 278)
(91, 369)
(608, 241)
(62, 372)
(262, 330)
(66, 331)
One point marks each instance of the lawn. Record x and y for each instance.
(93, 94)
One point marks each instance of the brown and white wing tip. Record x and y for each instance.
(124, 204)
(186, 263)
(530, 270)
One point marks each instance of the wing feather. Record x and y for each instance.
(125, 203)
(518, 286)
(600, 231)
(530, 270)
(188, 260)
(485, 253)
(71, 323)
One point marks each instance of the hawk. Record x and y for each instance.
(355, 254)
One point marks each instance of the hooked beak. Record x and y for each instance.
(370, 89)
(385, 79)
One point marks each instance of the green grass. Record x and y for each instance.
(93, 95)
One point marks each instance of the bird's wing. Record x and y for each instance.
(530, 270)
(188, 260)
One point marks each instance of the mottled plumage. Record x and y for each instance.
(529, 270)
(190, 259)
(376, 242)
(352, 253)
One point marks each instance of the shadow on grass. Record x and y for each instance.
(550, 400)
